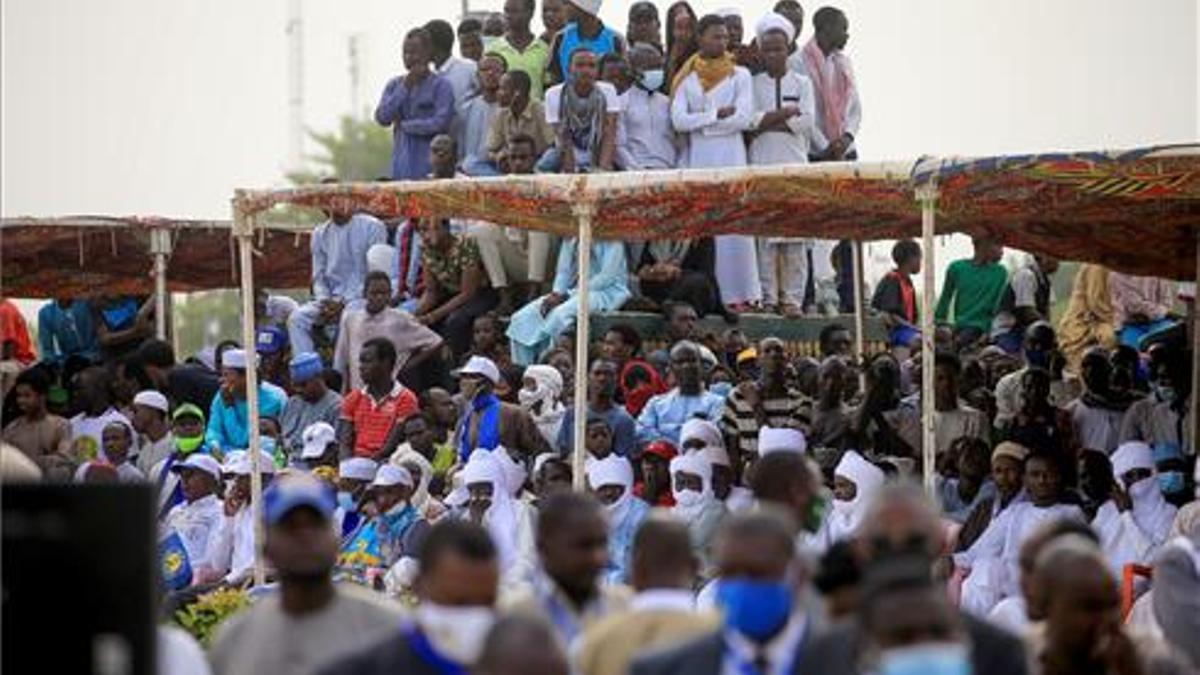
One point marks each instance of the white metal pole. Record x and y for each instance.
(583, 213)
(244, 230)
(1194, 402)
(160, 244)
(860, 340)
(927, 195)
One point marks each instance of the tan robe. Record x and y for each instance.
(1088, 320)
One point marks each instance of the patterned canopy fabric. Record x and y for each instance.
(1134, 211)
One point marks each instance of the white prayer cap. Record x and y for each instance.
(199, 461)
(317, 437)
(702, 430)
(771, 440)
(866, 476)
(1131, 455)
(390, 475)
(234, 358)
(243, 467)
(381, 258)
(774, 21)
(231, 460)
(358, 468)
(540, 461)
(480, 365)
(693, 463)
(152, 399)
(612, 470)
(590, 6)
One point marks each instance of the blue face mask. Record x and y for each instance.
(927, 659)
(652, 80)
(756, 609)
(1171, 482)
(345, 501)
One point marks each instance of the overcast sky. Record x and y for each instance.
(146, 106)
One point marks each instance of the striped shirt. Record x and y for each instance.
(739, 420)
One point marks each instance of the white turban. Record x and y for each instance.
(1129, 456)
(485, 466)
(612, 470)
(771, 440)
(774, 21)
(1151, 511)
(514, 473)
(689, 504)
(703, 430)
(590, 6)
(846, 516)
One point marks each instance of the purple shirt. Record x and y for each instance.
(415, 117)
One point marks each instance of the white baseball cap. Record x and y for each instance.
(243, 467)
(481, 365)
(152, 399)
(390, 475)
(317, 437)
(199, 462)
(358, 468)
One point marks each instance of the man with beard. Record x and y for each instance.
(664, 415)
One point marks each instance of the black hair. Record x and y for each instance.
(641, 6)
(384, 349)
(776, 473)
(767, 523)
(826, 16)
(787, 4)
(375, 275)
(670, 307)
(36, 379)
(460, 537)
(558, 510)
(577, 51)
(157, 353)
(422, 416)
(469, 25)
(498, 56)
(904, 250)
(827, 332)
(613, 57)
(523, 139)
(423, 35)
(520, 81)
(838, 568)
(441, 34)
(708, 21)
(333, 379)
(629, 336)
(899, 573)
(949, 359)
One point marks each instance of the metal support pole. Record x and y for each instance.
(160, 247)
(583, 213)
(1194, 402)
(243, 228)
(927, 196)
(860, 339)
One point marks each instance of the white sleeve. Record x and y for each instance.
(743, 104)
(853, 105)
(1024, 286)
(612, 101)
(553, 96)
(684, 121)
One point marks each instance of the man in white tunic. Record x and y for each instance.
(784, 132)
(713, 103)
(197, 519)
(1136, 522)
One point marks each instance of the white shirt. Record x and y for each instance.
(802, 137)
(645, 138)
(714, 142)
(663, 599)
(853, 116)
(87, 432)
(196, 523)
(460, 73)
(231, 548)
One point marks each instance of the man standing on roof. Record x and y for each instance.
(339, 271)
(418, 106)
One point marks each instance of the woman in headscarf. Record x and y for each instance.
(1136, 521)
(855, 482)
(681, 38)
(696, 504)
(540, 395)
(713, 103)
(489, 502)
(611, 480)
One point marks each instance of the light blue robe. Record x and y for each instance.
(663, 416)
(531, 334)
(620, 542)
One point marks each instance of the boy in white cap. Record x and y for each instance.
(201, 513)
(611, 480)
(230, 555)
(354, 476)
(395, 531)
(584, 29)
(320, 446)
(490, 422)
(150, 409)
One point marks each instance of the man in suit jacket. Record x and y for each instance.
(765, 627)
(459, 573)
(903, 521)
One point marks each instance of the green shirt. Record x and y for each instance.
(975, 291)
(532, 61)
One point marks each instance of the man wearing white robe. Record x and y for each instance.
(855, 482)
(714, 119)
(1136, 522)
(696, 504)
(489, 502)
(784, 132)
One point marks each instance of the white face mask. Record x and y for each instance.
(457, 633)
(843, 507)
(687, 498)
(1144, 488)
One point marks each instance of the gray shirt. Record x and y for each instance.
(298, 414)
(265, 639)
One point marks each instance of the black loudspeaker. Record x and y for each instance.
(77, 572)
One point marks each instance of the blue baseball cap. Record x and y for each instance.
(270, 340)
(292, 491)
(305, 366)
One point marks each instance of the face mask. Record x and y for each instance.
(1171, 482)
(1143, 488)
(457, 633)
(927, 659)
(528, 397)
(345, 501)
(1165, 394)
(843, 507)
(652, 80)
(188, 445)
(686, 498)
(756, 609)
(721, 389)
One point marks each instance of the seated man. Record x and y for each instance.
(228, 415)
(339, 270)
(536, 326)
(313, 401)
(396, 532)
(197, 518)
(417, 345)
(583, 113)
(370, 422)
(515, 260)
(65, 330)
(665, 414)
(1141, 305)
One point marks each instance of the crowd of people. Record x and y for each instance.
(745, 511)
